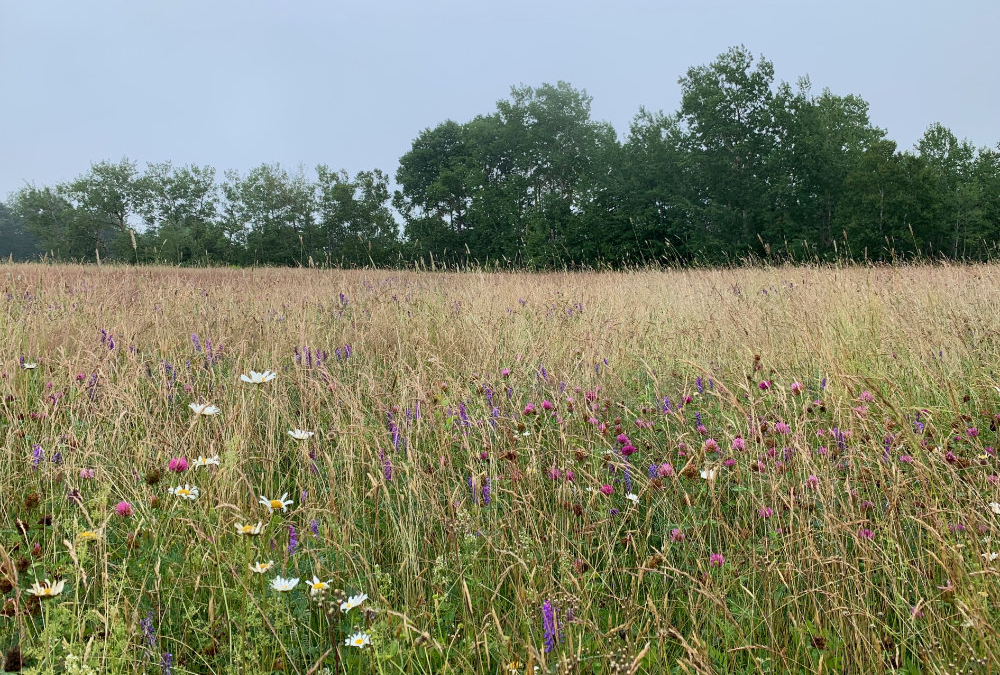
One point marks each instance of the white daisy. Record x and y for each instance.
(358, 640)
(250, 530)
(995, 508)
(300, 435)
(352, 602)
(259, 378)
(632, 497)
(315, 586)
(204, 409)
(206, 461)
(990, 557)
(29, 366)
(47, 589)
(284, 585)
(186, 492)
(709, 474)
(274, 504)
(261, 568)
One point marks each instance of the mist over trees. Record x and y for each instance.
(746, 167)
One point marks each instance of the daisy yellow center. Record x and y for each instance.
(46, 591)
(183, 492)
(247, 529)
(277, 504)
(359, 641)
(318, 586)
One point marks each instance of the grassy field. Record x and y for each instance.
(733, 471)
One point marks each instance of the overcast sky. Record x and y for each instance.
(237, 83)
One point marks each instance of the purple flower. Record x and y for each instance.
(549, 626)
(293, 540)
(38, 455)
(716, 560)
(314, 527)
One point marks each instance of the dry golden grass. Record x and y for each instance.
(840, 555)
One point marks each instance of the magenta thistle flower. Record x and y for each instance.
(716, 560)
(797, 388)
(178, 464)
(765, 385)
(547, 405)
(606, 489)
(739, 444)
(123, 509)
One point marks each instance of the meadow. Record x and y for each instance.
(751, 470)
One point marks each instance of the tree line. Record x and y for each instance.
(745, 168)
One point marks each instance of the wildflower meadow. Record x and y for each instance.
(748, 470)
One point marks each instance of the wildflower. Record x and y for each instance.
(549, 626)
(300, 435)
(261, 568)
(293, 540)
(812, 481)
(765, 385)
(632, 497)
(353, 601)
(178, 464)
(709, 474)
(37, 455)
(665, 470)
(47, 589)
(716, 560)
(186, 492)
(606, 489)
(87, 535)
(906, 459)
(283, 585)
(203, 461)
(765, 512)
(865, 533)
(28, 366)
(250, 530)
(204, 409)
(359, 640)
(505, 372)
(866, 397)
(995, 508)
(529, 409)
(258, 378)
(711, 445)
(123, 509)
(315, 586)
(274, 504)
(782, 428)
(990, 557)
(797, 388)
(547, 405)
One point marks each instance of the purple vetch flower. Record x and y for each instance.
(303, 497)
(293, 540)
(386, 465)
(666, 404)
(197, 342)
(549, 626)
(37, 455)
(486, 491)
(166, 663)
(628, 477)
(57, 457)
(698, 384)
(148, 630)
(314, 527)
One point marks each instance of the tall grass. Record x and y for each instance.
(853, 533)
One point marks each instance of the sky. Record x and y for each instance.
(237, 83)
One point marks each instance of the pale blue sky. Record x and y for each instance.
(236, 83)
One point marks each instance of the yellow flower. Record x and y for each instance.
(315, 586)
(88, 535)
(48, 589)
